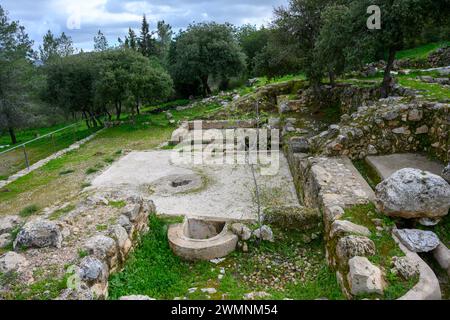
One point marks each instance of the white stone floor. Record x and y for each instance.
(228, 190)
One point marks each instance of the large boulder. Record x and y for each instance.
(38, 234)
(364, 277)
(413, 193)
(12, 262)
(417, 240)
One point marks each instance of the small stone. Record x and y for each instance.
(256, 295)
(8, 224)
(12, 262)
(422, 129)
(415, 115)
(372, 150)
(192, 290)
(217, 260)
(5, 240)
(417, 240)
(429, 222)
(264, 233)
(241, 230)
(209, 290)
(245, 247)
(299, 145)
(405, 267)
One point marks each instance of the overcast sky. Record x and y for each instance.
(81, 19)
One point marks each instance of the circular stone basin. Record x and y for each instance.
(198, 239)
(177, 183)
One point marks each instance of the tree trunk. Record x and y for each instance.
(12, 134)
(86, 119)
(138, 112)
(332, 77)
(118, 109)
(386, 85)
(206, 88)
(109, 114)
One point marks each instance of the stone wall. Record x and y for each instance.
(388, 126)
(345, 96)
(267, 95)
(107, 251)
(332, 184)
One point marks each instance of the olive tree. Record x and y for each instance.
(205, 51)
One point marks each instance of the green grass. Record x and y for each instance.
(91, 170)
(155, 271)
(421, 52)
(14, 160)
(45, 289)
(82, 253)
(60, 212)
(117, 204)
(68, 171)
(29, 211)
(368, 173)
(432, 91)
(386, 248)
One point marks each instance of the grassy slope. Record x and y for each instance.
(421, 52)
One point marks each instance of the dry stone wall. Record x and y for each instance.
(388, 126)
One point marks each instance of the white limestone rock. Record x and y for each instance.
(241, 230)
(413, 193)
(417, 240)
(12, 262)
(364, 277)
(264, 233)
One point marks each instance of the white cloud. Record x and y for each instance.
(114, 17)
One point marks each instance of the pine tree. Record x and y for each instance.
(100, 42)
(147, 45)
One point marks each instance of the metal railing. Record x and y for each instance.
(24, 155)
